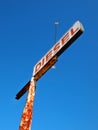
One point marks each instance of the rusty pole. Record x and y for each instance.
(26, 118)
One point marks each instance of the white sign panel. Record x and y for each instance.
(51, 56)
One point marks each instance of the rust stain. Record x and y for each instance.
(26, 118)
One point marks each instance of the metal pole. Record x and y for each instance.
(26, 118)
(55, 31)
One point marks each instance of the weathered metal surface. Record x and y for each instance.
(26, 118)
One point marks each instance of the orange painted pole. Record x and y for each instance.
(26, 118)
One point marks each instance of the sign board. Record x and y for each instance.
(49, 59)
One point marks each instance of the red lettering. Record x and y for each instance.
(65, 39)
(49, 56)
(73, 31)
(37, 67)
(43, 61)
(56, 48)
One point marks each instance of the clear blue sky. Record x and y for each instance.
(66, 97)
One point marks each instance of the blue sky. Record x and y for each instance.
(66, 97)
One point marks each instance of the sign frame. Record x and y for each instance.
(51, 57)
